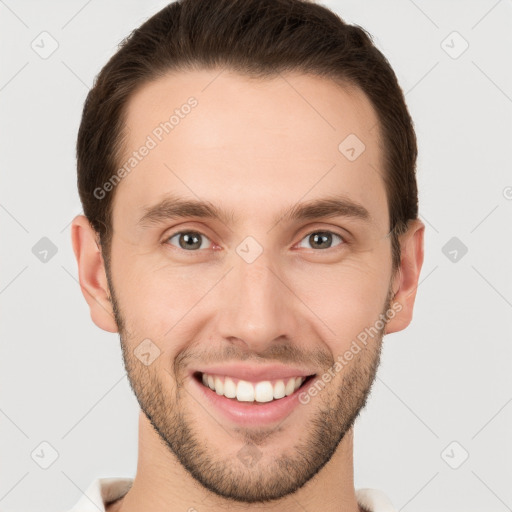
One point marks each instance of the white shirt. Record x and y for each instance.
(105, 490)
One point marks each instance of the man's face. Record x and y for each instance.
(258, 295)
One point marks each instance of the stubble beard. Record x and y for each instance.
(226, 475)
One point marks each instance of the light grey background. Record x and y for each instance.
(446, 378)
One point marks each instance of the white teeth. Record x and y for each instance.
(219, 386)
(229, 388)
(245, 391)
(279, 389)
(264, 392)
(290, 387)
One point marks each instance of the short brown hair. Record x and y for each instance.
(257, 38)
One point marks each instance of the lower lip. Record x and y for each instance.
(252, 413)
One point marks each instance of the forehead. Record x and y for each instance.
(233, 139)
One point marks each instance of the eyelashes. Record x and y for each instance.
(323, 237)
(192, 241)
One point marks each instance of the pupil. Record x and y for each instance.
(325, 238)
(190, 241)
(321, 239)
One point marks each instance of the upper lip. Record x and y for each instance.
(254, 372)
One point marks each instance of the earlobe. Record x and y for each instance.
(91, 273)
(406, 279)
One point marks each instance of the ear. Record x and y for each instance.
(91, 273)
(405, 281)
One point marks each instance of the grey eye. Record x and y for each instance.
(321, 239)
(189, 240)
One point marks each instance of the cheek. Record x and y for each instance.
(346, 298)
(157, 299)
(153, 297)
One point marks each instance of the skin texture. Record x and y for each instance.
(255, 148)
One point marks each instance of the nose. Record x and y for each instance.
(256, 305)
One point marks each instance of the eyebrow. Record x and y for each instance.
(174, 207)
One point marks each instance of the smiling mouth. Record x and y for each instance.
(256, 392)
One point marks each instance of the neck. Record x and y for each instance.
(161, 483)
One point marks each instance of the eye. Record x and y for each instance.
(192, 241)
(322, 239)
(189, 240)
